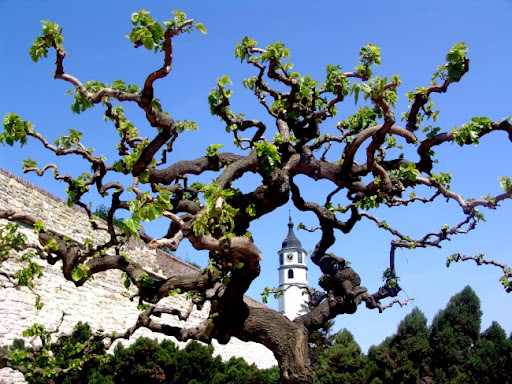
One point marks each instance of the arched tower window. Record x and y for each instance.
(290, 273)
(300, 257)
(281, 259)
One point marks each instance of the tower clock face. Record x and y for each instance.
(289, 257)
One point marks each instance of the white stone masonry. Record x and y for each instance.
(103, 302)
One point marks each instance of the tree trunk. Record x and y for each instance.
(288, 341)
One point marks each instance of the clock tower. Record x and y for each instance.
(293, 275)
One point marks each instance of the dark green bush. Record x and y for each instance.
(145, 362)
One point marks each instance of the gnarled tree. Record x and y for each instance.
(392, 159)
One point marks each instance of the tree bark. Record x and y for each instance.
(288, 340)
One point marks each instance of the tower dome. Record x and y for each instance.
(291, 241)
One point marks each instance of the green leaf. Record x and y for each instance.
(76, 275)
(479, 215)
(51, 245)
(201, 28)
(144, 176)
(450, 259)
(174, 292)
(126, 282)
(239, 265)
(391, 280)
(505, 183)
(165, 201)
(212, 149)
(29, 163)
(39, 226)
(251, 209)
(79, 272)
(185, 125)
(179, 17)
(222, 81)
(131, 227)
(145, 280)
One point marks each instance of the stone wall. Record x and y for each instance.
(103, 302)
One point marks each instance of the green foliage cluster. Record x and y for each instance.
(51, 36)
(145, 361)
(376, 87)
(451, 350)
(77, 187)
(69, 141)
(212, 149)
(276, 292)
(269, 157)
(369, 202)
(365, 117)
(218, 97)
(72, 353)
(471, 132)
(452, 70)
(126, 164)
(125, 128)
(185, 125)
(334, 79)
(81, 103)
(442, 178)
(150, 33)
(80, 272)
(368, 55)
(389, 278)
(406, 170)
(15, 129)
(146, 209)
(11, 239)
(403, 357)
(216, 215)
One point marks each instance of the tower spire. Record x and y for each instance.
(291, 240)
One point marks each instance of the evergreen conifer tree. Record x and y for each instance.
(403, 357)
(343, 362)
(491, 359)
(454, 331)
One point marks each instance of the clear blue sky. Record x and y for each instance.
(414, 36)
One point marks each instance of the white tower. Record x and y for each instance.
(293, 275)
